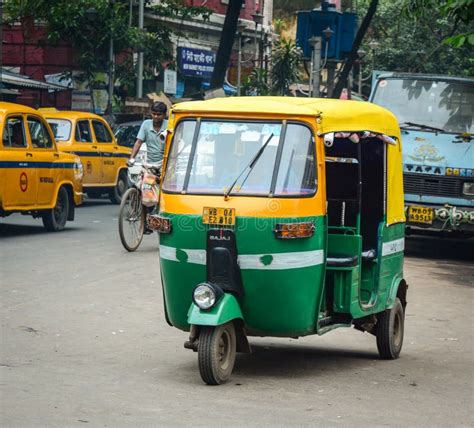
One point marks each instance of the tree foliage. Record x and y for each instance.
(412, 44)
(87, 25)
(459, 12)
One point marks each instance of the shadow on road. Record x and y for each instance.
(16, 230)
(439, 248)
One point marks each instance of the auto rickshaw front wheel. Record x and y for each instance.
(389, 331)
(216, 353)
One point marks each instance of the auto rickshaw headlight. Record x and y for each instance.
(206, 295)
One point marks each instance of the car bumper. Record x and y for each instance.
(440, 218)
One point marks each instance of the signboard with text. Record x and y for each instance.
(196, 62)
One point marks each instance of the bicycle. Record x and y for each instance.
(139, 201)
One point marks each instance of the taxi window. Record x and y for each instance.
(102, 134)
(40, 138)
(14, 133)
(61, 129)
(83, 132)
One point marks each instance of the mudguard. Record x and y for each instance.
(227, 309)
(398, 288)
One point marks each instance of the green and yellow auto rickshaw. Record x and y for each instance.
(281, 217)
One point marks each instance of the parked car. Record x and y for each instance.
(90, 137)
(35, 177)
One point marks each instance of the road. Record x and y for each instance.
(84, 342)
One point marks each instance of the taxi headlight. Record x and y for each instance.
(468, 189)
(78, 170)
(206, 295)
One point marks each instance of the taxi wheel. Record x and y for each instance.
(216, 353)
(119, 190)
(55, 219)
(389, 331)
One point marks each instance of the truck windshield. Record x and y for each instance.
(207, 157)
(428, 103)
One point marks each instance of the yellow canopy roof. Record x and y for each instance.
(332, 116)
(336, 115)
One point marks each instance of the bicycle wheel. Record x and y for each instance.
(131, 220)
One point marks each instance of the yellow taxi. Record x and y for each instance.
(35, 178)
(90, 137)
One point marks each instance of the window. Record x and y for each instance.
(83, 132)
(262, 158)
(102, 134)
(14, 133)
(40, 137)
(61, 129)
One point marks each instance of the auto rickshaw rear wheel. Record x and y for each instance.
(389, 331)
(216, 353)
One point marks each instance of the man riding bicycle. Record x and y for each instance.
(151, 133)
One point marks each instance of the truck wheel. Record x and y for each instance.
(55, 219)
(216, 353)
(389, 331)
(118, 191)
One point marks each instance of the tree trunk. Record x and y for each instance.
(355, 47)
(225, 45)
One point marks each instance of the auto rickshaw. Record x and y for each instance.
(281, 217)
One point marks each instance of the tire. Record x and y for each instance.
(131, 220)
(216, 353)
(55, 219)
(389, 331)
(117, 193)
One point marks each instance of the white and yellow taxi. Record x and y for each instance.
(35, 177)
(90, 137)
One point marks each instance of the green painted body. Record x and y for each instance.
(225, 310)
(279, 301)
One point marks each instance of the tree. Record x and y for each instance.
(87, 26)
(415, 45)
(352, 57)
(226, 42)
(286, 58)
(457, 11)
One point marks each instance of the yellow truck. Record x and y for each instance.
(35, 177)
(90, 137)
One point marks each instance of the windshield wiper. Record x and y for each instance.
(421, 126)
(251, 164)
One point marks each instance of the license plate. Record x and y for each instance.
(420, 215)
(218, 216)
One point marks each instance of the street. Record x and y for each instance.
(84, 342)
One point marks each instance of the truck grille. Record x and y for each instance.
(417, 184)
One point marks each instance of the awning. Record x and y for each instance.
(13, 80)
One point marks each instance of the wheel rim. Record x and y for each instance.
(397, 329)
(133, 219)
(223, 350)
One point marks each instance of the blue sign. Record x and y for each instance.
(196, 62)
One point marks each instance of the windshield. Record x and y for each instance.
(445, 105)
(207, 157)
(61, 129)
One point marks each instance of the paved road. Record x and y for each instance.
(84, 343)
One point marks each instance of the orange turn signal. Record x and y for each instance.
(294, 230)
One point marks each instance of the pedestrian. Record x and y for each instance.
(152, 133)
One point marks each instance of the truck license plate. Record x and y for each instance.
(218, 216)
(420, 215)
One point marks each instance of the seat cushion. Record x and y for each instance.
(341, 260)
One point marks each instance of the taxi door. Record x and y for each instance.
(45, 156)
(86, 147)
(17, 165)
(108, 150)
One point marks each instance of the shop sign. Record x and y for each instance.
(196, 62)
